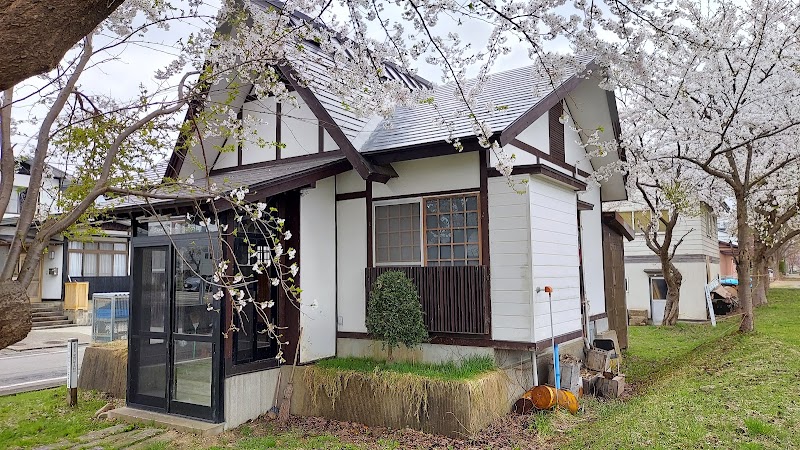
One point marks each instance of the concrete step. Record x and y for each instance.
(51, 318)
(37, 314)
(52, 324)
(44, 307)
(150, 418)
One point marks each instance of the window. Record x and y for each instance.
(639, 220)
(449, 236)
(98, 259)
(397, 236)
(252, 342)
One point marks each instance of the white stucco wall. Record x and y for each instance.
(554, 246)
(592, 251)
(318, 271)
(351, 257)
(443, 173)
(509, 253)
(52, 286)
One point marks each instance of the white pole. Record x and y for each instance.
(72, 371)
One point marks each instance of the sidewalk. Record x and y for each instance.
(52, 338)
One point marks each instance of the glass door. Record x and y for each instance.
(195, 331)
(148, 342)
(175, 339)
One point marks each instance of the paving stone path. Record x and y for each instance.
(121, 436)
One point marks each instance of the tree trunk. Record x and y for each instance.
(743, 268)
(39, 35)
(673, 278)
(15, 313)
(760, 280)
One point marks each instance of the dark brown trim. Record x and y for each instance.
(545, 171)
(549, 158)
(585, 206)
(288, 311)
(614, 220)
(321, 137)
(602, 315)
(240, 144)
(278, 135)
(560, 339)
(556, 96)
(368, 196)
(654, 259)
(271, 163)
(364, 167)
(255, 366)
(556, 134)
(351, 195)
(427, 194)
(483, 162)
(421, 151)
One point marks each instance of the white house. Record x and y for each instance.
(46, 284)
(361, 198)
(697, 258)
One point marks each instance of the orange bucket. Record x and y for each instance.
(546, 397)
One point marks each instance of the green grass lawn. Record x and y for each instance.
(707, 388)
(37, 418)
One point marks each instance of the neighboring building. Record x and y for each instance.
(361, 198)
(697, 258)
(728, 251)
(46, 284)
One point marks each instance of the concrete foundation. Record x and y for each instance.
(139, 416)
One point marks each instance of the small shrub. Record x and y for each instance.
(394, 313)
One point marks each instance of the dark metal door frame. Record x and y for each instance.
(168, 405)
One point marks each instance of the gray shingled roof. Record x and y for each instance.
(512, 93)
(262, 176)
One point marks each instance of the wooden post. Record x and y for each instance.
(72, 372)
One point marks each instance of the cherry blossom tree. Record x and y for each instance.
(719, 84)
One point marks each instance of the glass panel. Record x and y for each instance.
(153, 286)
(408, 253)
(106, 261)
(458, 220)
(90, 246)
(472, 203)
(430, 206)
(472, 251)
(432, 237)
(75, 245)
(431, 222)
(458, 252)
(458, 236)
(383, 254)
(444, 205)
(394, 254)
(433, 252)
(121, 247)
(75, 263)
(151, 367)
(394, 239)
(407, 238)
(383, 240)
(120, 265)
(459, 262)
(472, 262)
(658, 288)
(399, 240)
(106, 246)
(444, 252)
(382, 225)
(381, 212)
(90, 264)
(458, 204)
(472, 219)
(193, 269)
(444, 221)
(444, 236)
(192, 372)
(472, 235)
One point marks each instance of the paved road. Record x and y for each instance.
(34, 369)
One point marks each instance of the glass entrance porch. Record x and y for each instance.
(174, 352)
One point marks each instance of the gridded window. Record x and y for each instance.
(397, 234)
(452, 233)
(92, 259)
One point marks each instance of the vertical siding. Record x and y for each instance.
(318, 271)
(509, 250)
(554, 246)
